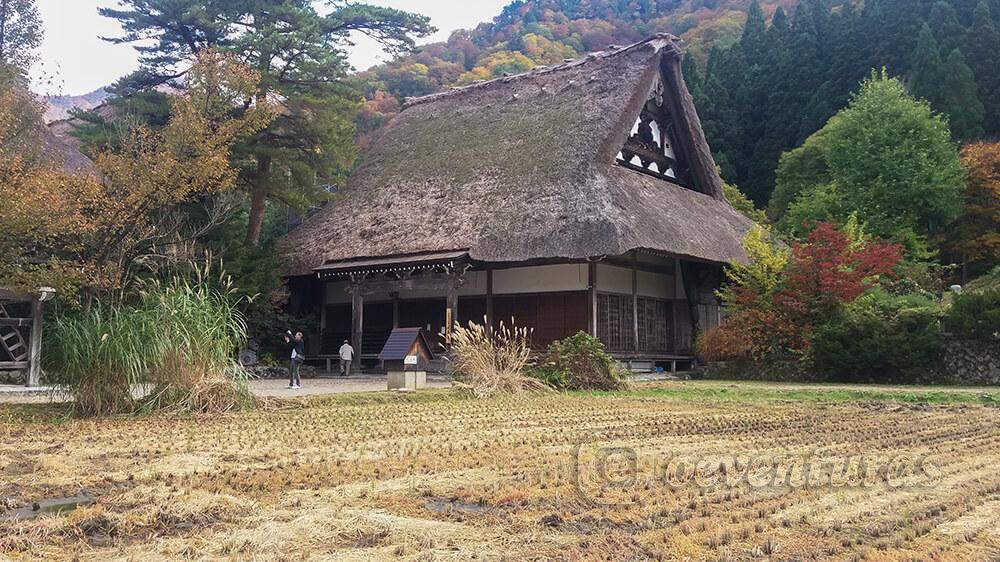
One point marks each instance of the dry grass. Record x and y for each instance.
(489, 364)
(438, 477)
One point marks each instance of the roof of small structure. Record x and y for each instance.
(524, 168)
(401, 341)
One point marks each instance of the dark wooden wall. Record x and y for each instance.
(551, 316)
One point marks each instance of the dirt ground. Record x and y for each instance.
(571, 477)
(270, 388)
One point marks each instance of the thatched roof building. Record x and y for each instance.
(66, 155)
(524, 167)
(602, 156)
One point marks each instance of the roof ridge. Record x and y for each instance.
(659, 41)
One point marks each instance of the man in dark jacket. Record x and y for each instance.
(298, 356)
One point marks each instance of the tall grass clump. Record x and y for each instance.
(97, 356)
(493, 363)
(180, 340)
(198, 333)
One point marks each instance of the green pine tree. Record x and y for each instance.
(983, 54)
(301, 56)
(719, 112)
(779, 22)
(927, 69)
(754, 30)
(754, 54)
(960, 99)
(944, 22)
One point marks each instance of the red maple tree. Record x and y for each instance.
(823, 274)
(826, 272)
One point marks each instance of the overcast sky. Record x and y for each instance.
(74, 60)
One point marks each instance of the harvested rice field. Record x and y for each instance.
(651, 474)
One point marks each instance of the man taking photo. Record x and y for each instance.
(298, 357)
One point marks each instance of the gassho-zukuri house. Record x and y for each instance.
(576, 197)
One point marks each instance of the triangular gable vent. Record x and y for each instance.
(651, 147)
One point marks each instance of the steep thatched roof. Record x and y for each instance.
(524, 167)
(66, 155)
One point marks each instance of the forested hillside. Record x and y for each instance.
(765, 75)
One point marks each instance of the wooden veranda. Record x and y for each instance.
(644, 306)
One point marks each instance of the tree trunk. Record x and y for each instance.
(258, 202)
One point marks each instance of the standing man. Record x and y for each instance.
(346, 356)
(298, 357)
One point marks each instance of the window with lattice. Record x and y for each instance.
(651, 146)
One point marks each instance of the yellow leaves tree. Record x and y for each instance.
(761, 275)
(497, 64)
(545, 51)
(20, 118)
(162, 188)
(40, 206)
(156, 172)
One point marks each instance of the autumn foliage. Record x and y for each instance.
(831, 269)
(778, 300)
(43, 207)
(975, 238)
(89, 231)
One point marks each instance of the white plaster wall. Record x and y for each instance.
(614, 279)
(540, 279)
(537, 279)
(656, 285)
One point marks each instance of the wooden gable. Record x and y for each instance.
(652, 147)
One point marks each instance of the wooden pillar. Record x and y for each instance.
(322, 317)
(676, 306)
(395, 310)
(592, 288)
(635, 302)
(35, 357)
(490, 320)
(357, 318)
(451, 308)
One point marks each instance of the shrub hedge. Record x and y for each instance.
(580, 362)
(975, 316)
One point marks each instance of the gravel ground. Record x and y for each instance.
(375, 383)
(277, 388)
(338, 385)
